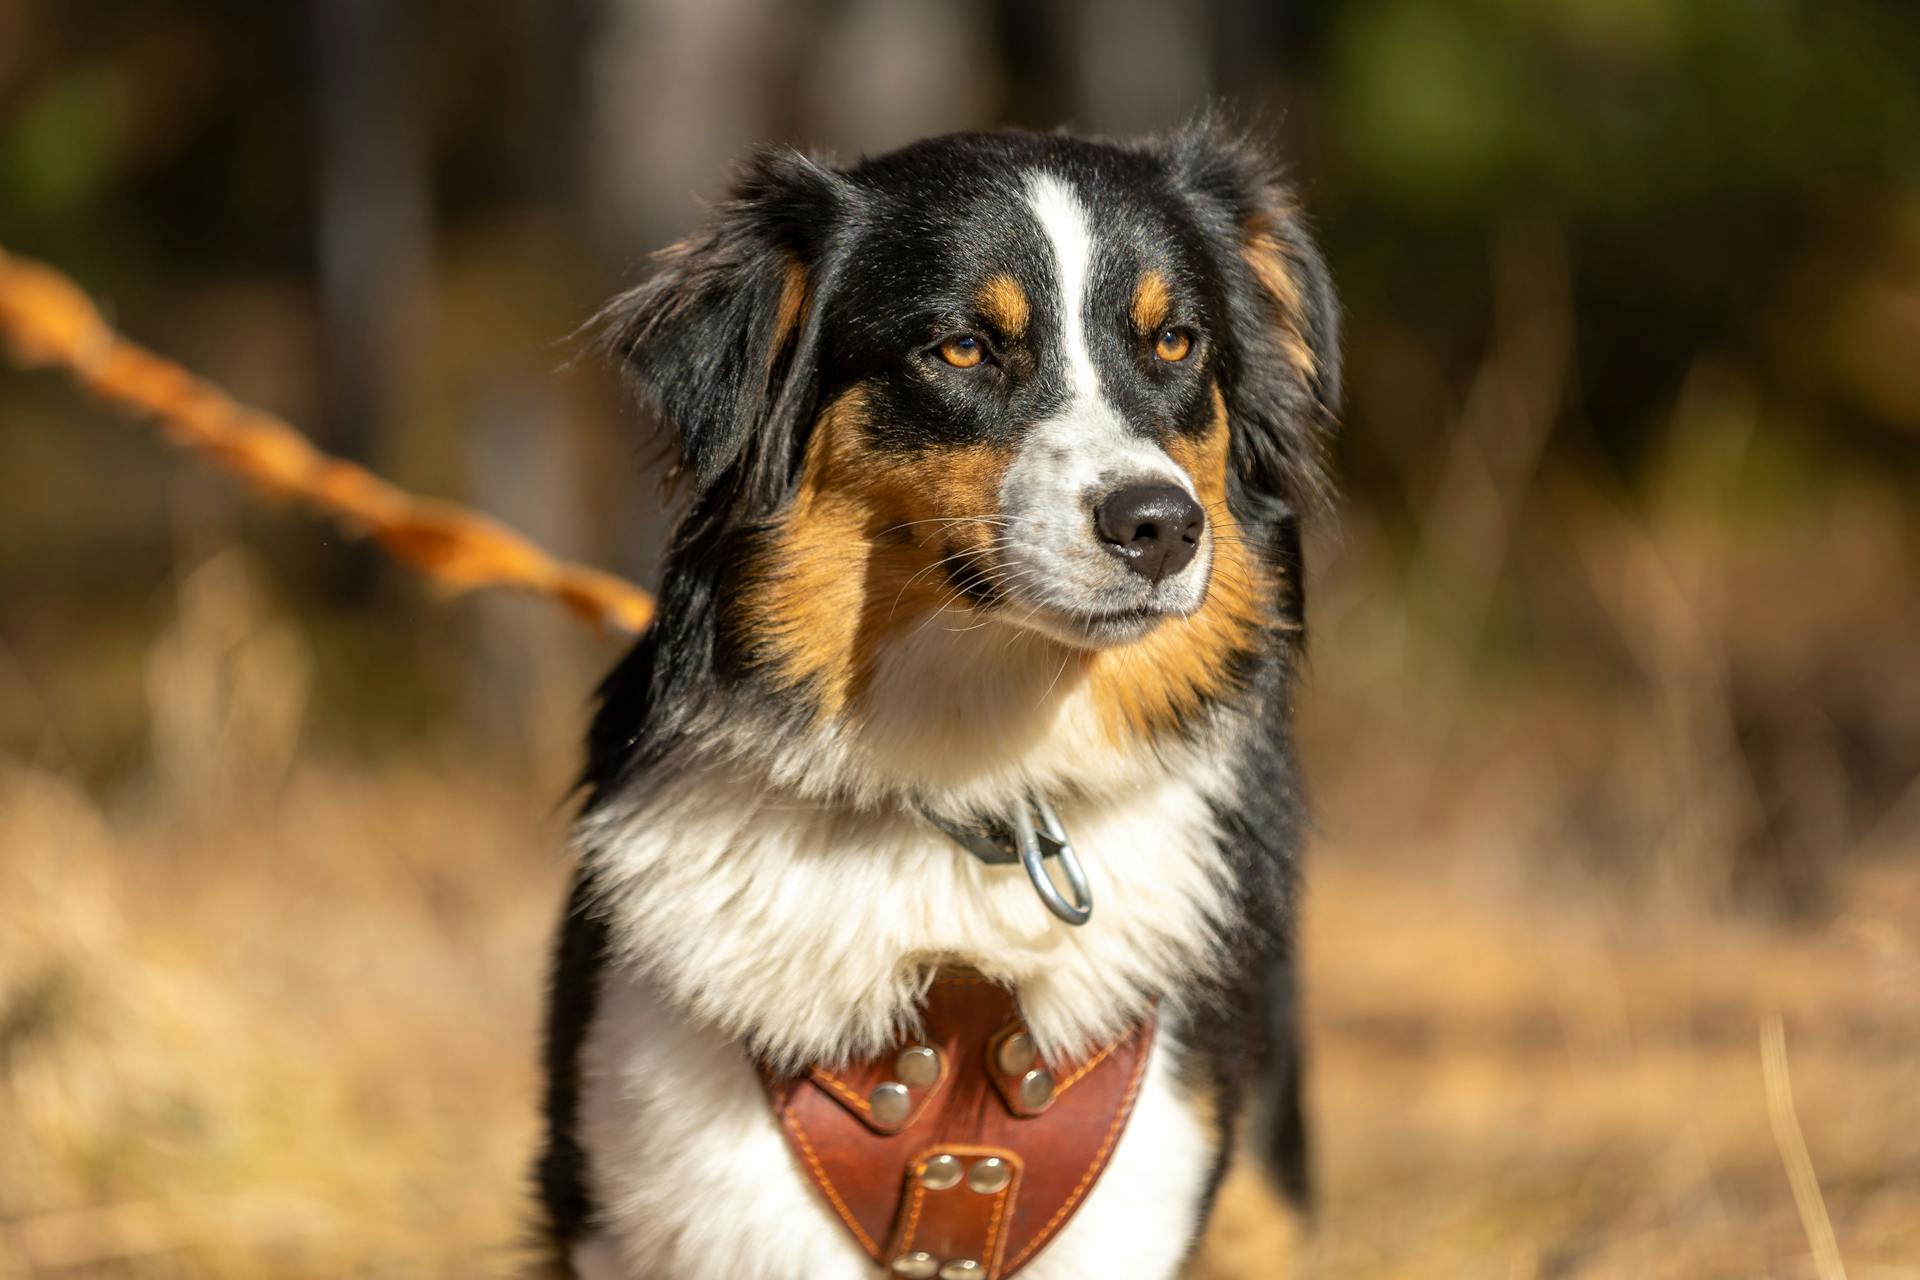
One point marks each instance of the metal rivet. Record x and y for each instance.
(939, 1173)
(1036, 1088)
(918, 1066)
(964, 1269)
(916, 1266)
(1016, 1053)
(990, 1176)
(890, 1103)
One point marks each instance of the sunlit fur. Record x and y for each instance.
(1004, 302)
(1152, 301)
(889, 596)
(854, 563)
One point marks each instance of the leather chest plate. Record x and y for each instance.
(961, 1154)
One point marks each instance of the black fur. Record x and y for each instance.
(574, 998)
(880, 244)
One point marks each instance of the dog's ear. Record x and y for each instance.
(1281, 359)
(722, 340)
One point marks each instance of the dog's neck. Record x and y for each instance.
(783, 887)
(963, 716)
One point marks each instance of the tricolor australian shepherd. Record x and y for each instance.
(997, 450)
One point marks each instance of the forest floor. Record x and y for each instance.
(296, 1039)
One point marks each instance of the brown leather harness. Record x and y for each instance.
(959, 1156)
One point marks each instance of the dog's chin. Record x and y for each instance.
(1090, 629)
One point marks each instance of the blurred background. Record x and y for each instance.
(1613, 715)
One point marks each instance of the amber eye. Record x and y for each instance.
(963, 352)
(1173, 345)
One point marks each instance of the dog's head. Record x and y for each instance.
(1072, 391)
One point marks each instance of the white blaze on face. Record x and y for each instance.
(1054, 561)
(1064, 223)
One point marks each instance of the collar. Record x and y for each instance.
(1029, 835)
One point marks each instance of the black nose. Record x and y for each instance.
(1155, 528)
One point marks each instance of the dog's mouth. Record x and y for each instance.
(974, 580)
(1017, 598)
(1104, 628)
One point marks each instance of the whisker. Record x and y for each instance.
(931, 617)
(944, 560)
(997, 580)
(945, 521)
(1045, 693)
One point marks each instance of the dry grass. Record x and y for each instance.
(299, 1043)
(1560, 893)
(1517, 1085)
(262, 1014)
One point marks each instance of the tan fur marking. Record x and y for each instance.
(1147, 687)
(1266, 254)
(793, 304)
(856, 555)
(1004, 302)
(1152, 302)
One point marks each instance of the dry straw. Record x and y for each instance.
(47, 321)
(1794, 1155)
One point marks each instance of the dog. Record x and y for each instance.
(996, 452)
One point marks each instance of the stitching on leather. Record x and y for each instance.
(1099, 1162)
(1064, 1085)
(826, 1183)
(993, 1224)
(833, 1082)
(914, 1201)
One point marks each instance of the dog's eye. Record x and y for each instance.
(963, 352)
(1173, 345)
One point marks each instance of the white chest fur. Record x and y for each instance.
(809, 932)
(693, 1179)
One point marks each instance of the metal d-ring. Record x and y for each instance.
(1027, 841)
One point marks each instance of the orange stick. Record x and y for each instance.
(47, 321)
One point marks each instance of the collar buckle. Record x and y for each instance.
(1030, 835)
